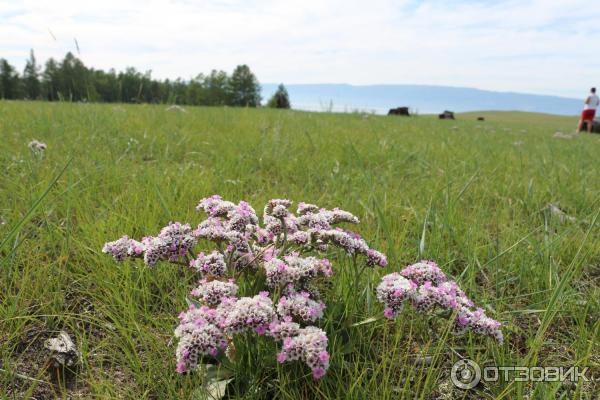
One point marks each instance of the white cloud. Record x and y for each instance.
(541, 46)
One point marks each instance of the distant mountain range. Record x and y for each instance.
(421, 99)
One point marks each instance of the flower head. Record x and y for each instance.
(301, 306)
(173, 242)
(37, 146)
(310, 346)
(211, 293)
(293, 269)
(206, 339)
(424, 271)
(122, 248)
(246, 313)
(212, 264)
(425, 286)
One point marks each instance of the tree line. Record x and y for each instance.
(71, 80)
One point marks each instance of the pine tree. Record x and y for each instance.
(9, 81)
(217, 89)
(51, 81)
(31, 78)
(280, 98)
(244, 88)
(75, 79)
(70, 80)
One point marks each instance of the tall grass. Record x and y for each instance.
(471, 195)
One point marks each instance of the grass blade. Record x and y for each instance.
(34, 207)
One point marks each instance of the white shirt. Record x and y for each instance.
(593, 102)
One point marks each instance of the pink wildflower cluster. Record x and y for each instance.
(247, 313)
(172, 243)
(213, 292)
(282, 259)
(286, 248)
(313, 228)
(124, 247)
(308, 345)
(293, 269)
(425, 286)
(212, 264)
(198, 337)
(300, 305)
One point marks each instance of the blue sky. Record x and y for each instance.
(535, 46)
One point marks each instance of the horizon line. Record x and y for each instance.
(424, 85)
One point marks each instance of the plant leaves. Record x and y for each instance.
(213, 390)
(217, 372)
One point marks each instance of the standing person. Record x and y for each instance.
(589, 111)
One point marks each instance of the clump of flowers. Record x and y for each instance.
(212, 264)
(37, 146)
(287, 249)
(300, 305)
(425, 286)
(309, 345)
(213, 292)
(124, 247)
(264, 279)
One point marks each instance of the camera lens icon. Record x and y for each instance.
(465, 374)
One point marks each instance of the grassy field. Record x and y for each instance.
(471, 195)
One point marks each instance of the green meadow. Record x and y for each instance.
(504, 207)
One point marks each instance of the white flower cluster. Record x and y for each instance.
(198, 336)
(393, 290)
(479, 323)
(237, 216)
(446, 295)
(195, 316)
(375, 257)
(172, 243)
(215, 206)
(304, 208)
(322, 219)
(277, 208)
(212, 229)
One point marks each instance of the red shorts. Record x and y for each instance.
(588, 115)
